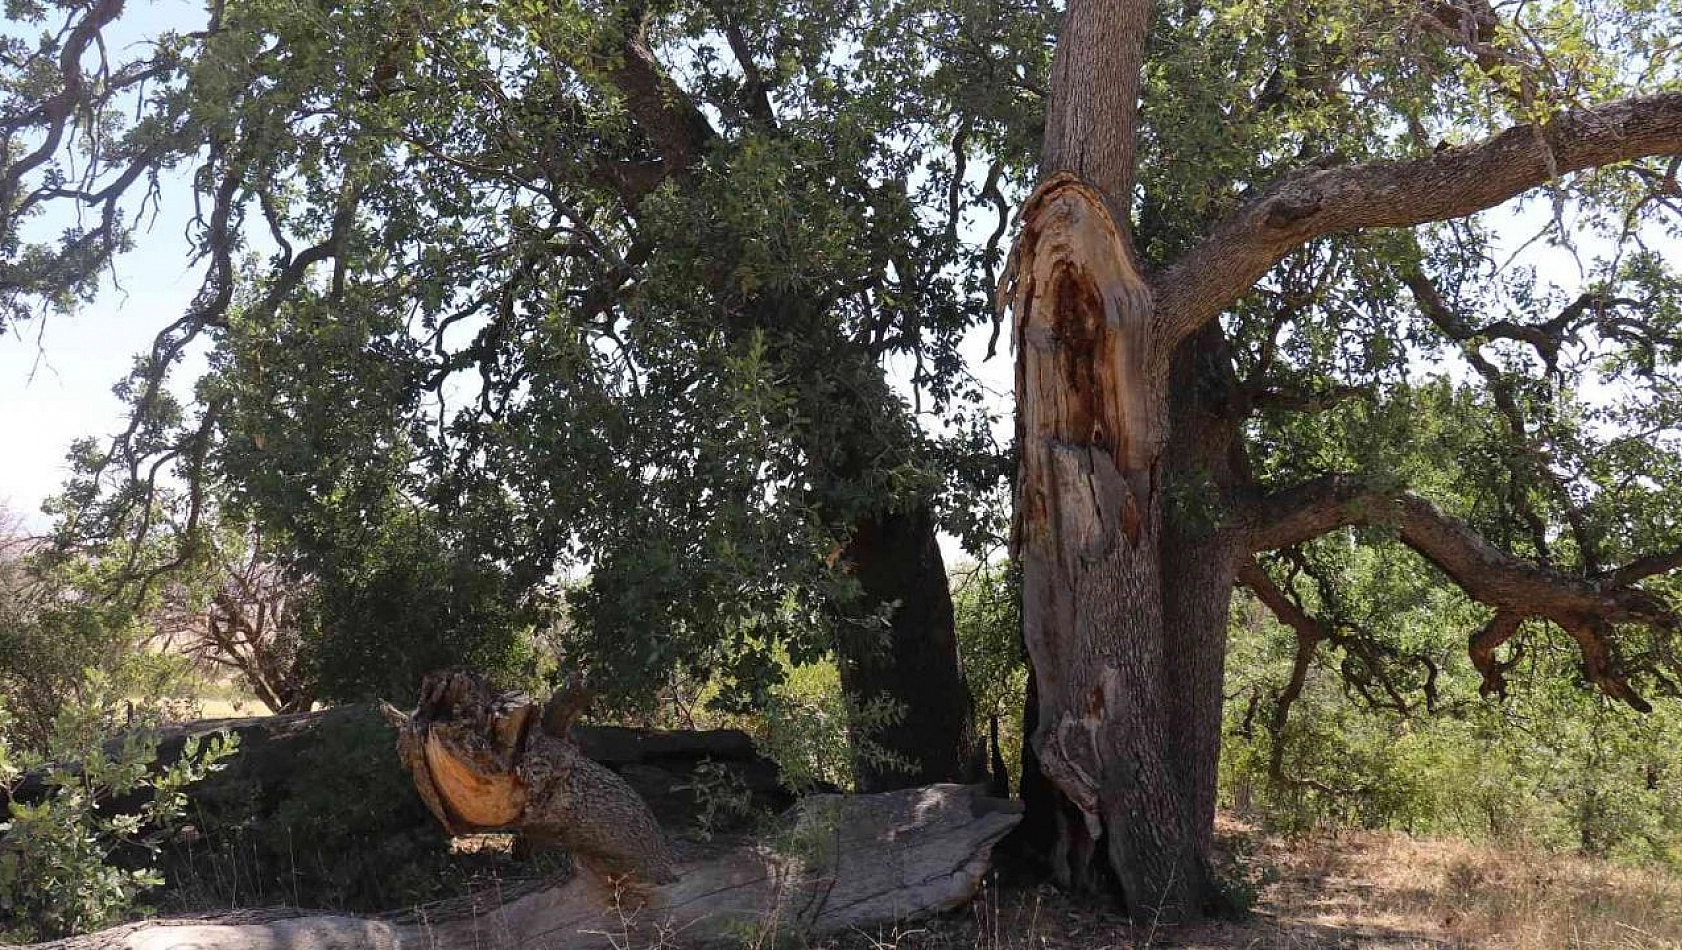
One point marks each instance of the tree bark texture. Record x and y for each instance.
(1091, 425)
(896, 558)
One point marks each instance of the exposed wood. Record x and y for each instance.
(480, 765)
(659, 764)
(1091, 424)
(842, 863)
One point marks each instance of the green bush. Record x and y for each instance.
(327, 818)
(70, 863)
(1556, 765)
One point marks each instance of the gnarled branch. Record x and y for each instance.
(1450, 184)
(1585, 608)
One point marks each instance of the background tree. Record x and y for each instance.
(605, 287)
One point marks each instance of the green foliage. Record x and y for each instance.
(381, 616)
(66, 644)
(70, 863)
(987, 602)
(722, 798)
(1556, 765)
(331, 819)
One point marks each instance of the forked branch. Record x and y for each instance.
(1587, 608)
(1452, 183)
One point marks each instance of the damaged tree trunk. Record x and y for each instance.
(1092, 424)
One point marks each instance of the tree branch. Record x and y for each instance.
(1450, 184)
(1586, 609)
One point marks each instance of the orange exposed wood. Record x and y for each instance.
(481, 799)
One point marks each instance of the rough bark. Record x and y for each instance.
(1091, 425)
(896, 558)
(1452, 183)
(845, 863)
(1204, 456)
(1092, 381)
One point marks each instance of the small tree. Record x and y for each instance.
(242, 614)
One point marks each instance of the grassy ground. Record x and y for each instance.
(1352, 890)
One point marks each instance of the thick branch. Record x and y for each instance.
(1584, 608)
(1309, 633)
(662, 109)
(1452, 183)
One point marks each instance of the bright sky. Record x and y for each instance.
(56, 377)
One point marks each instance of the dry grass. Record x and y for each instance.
(1393, 891)
(1353, 890)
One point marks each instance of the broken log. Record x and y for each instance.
(661, 765)
(840, 862)
(483, 760)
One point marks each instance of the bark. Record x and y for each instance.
(1204, 456)
(896, 558)
(1452, 183)
(1091, 424)
(846, 863)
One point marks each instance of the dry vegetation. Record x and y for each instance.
(1354, 890)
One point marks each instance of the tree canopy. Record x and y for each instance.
(664, 304)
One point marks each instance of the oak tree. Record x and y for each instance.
(1155, 342)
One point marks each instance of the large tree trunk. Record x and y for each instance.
(896, 558)
(1092, 428)
(1092, 420)
(1204, 456)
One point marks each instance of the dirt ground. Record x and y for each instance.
(1351, 890)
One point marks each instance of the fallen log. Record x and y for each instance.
(484, 761)
(842, 862)
(661, 765)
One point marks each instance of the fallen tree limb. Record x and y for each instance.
(840, 862)
(488, 761)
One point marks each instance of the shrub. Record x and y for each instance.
(75, 861)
